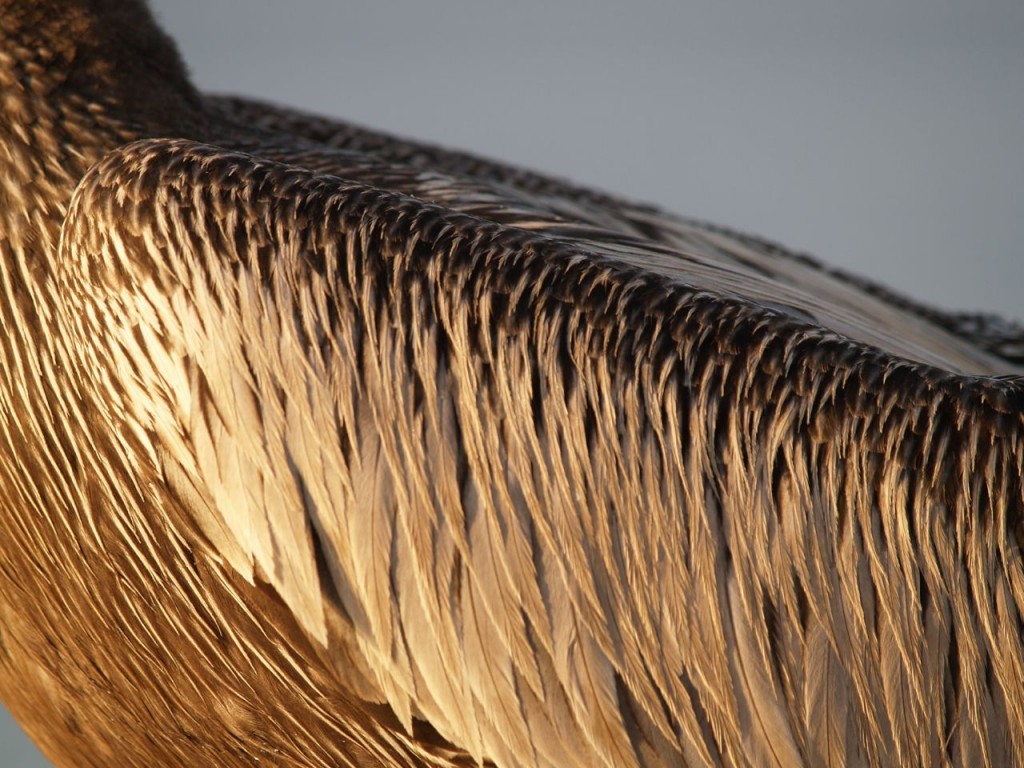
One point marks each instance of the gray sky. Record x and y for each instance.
(885, 137)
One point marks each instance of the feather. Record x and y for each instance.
(323, 447)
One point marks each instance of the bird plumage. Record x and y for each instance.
(323, 447)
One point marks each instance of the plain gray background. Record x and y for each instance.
(886, 137)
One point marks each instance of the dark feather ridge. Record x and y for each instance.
(321, 447)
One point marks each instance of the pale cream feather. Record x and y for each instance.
(574, 510)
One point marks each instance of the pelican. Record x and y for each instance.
(323, 448)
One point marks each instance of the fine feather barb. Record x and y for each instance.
(593, 556)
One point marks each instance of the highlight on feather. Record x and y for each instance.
(324, 447)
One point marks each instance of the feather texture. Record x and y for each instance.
(327, 448)
(558, 510)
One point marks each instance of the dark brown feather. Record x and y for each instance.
(320, 447)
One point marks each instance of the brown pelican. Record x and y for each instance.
(319, 447)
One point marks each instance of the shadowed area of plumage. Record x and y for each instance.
(333, 448)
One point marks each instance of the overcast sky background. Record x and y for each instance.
(884, 137)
